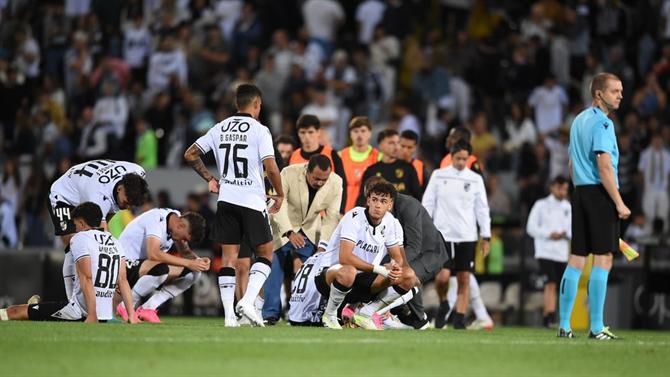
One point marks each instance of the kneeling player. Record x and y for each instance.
(360, 242)
(146, 240)
(98, 258)
(306, 304)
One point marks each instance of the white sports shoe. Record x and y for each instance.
(331, 322)
(366, 322)
(480, 324)
(231, 323)
(392, 322)
(249, 311)
(34, 299)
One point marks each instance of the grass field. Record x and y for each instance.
(192, 346)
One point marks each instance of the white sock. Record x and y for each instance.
(335, 300)
(227, 286)
(258, 273)
(384, 300)
(68, 275)
(145, 286)
(172, 290)
(3, 315)
(452, 294)
(476, 301)
(402, 300)
(258, 304)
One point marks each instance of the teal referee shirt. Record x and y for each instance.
(592, 132)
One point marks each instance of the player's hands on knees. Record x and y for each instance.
(213, 185)
(485, 247)
(297, 240)
(199, 264)
(276, 205)
(623, 211)
(395, 271)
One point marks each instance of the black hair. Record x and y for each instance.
(136, 188)
(559, 180)
(373, 181)
(89, 212)
(285, 139)
(245, 94)
(197, 226)
(410, 135)
(319, 160)
(461, 145)
(385, 134)
(383, 189)
(307, 121)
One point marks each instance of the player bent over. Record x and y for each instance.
(98, 258)
(147, 240)
(360, 242)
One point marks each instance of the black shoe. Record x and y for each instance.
(565, 334)
(441, 317)
(459, 321)
(605, 334)
(270, 321)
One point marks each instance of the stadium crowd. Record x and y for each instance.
(142, 80)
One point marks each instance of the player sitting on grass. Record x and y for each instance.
(361, 240)
(147, 240)
(98, 258)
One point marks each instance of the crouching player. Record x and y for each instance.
(157, 276)
(356, 249)
(98, 259)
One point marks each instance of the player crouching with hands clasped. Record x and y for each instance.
(357, 247)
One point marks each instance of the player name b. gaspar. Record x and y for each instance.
(367, 247)
(233, 138)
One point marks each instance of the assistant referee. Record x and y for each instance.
(597, 206)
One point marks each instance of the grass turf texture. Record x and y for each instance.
(193, 346)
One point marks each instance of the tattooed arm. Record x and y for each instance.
(192, 156)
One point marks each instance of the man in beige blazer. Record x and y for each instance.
(308, 216)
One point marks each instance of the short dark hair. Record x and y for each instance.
(307, 121)
(319, 160)
(372, 181)
(386, 134)
(463, 131)
(599, 82)
(285, 139)
(410, 135)
(245, 94)
(197, 226)
(461, 145)
(89, 212)
(137, 189)
(383, 189)
(360, 121)
(559, 180)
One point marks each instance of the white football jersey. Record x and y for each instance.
(93, 181)
(456, 200)
(152, 223)
(240, 144)
(105, 253)
(306, 304)
(371, 243)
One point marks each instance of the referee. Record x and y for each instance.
(597, 206)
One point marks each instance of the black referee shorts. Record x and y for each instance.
(235, 224)
(595, 221)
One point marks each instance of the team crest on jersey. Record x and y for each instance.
(399, 173)
(466, 186)
(63, 225)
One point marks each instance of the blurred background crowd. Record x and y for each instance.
(141, 80)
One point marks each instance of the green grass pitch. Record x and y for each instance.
(202, 346)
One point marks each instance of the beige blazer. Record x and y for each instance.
(294, 214)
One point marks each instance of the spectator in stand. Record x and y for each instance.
(167, 65)
(322, 19)
(549, 102)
